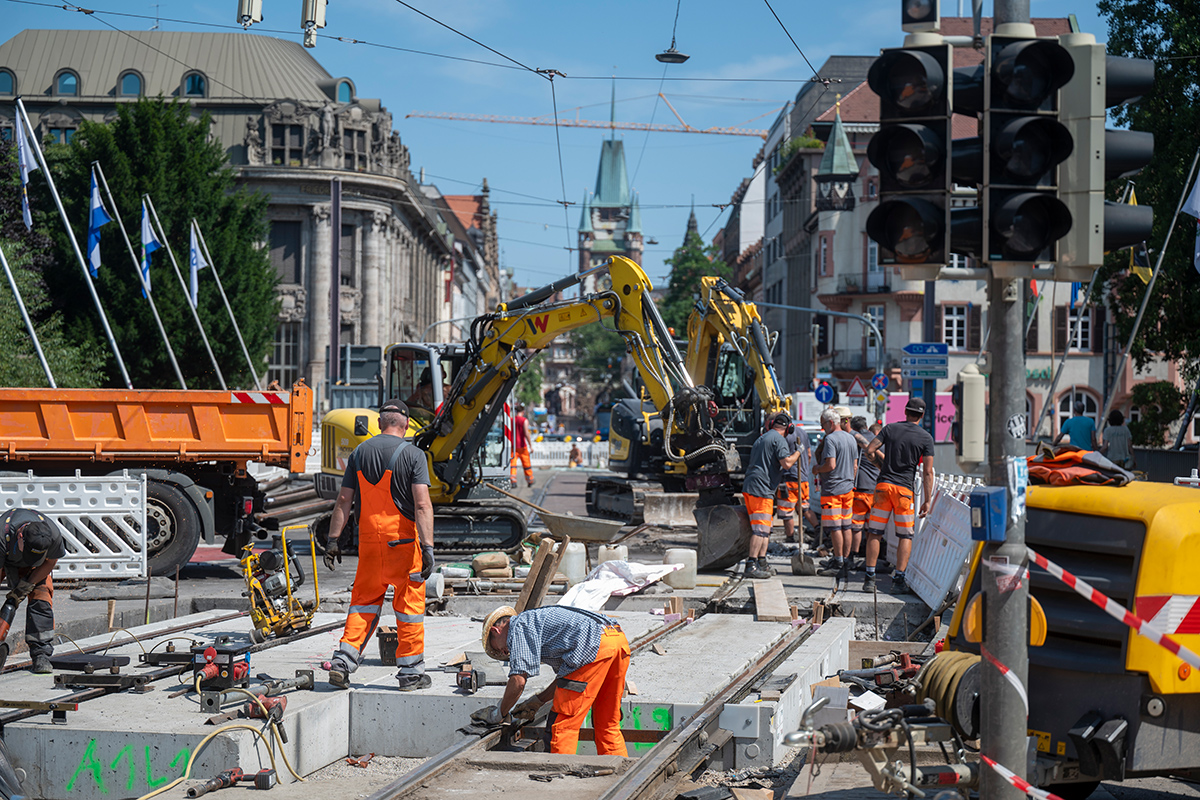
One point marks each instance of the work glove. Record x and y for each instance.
(427, 562)
(488, 716)
(332, 552)
(527, 709)
(22, 590)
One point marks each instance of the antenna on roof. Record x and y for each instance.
(154, 27)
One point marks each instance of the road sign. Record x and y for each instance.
(879, 381)
(881, 396)
(824, 393)
(925, 372)
(925, 361)
(857, 391)
(927, 349)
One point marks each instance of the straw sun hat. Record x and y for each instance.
(499, 615)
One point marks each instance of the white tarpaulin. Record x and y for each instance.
(614, 578)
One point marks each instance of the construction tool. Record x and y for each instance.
(263, 779)
(363, 762)
(274, 686)
(882, 676)
(274, 610)
(222, 781)
(7, 612)
(467, 679)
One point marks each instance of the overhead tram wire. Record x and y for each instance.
(793, 41)
(562, 177)
(452, 29)
(657, 97)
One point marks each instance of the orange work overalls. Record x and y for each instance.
(597, 687)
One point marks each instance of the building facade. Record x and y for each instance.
(610, 222)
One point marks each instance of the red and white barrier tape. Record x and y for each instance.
(1115, 609)
(1008, 676)
(1020, 783)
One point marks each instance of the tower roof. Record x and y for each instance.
(585, 217)
(612, 181)
(635, 217)
(839, 156)
(692, 226)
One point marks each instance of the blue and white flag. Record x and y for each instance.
(27, 164)
(97, 217)
(1075, 293)
(198, 263)
(150, 243)
(1192, 206)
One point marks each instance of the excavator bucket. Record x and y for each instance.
(723, 534)
(669, 508)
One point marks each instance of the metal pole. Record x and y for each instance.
(335, 284)
(1062, 362)
(37, 345)
(62, 212)
(929, 332)
(162, 234)
(1149, 288)
(213, 266)
(432, 325)
(137, 270)
(1187, 415)
(863, 318)
(1002, 711)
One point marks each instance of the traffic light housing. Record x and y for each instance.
(968, 431)
(1100, 82)
(249, 12)
(312, 16)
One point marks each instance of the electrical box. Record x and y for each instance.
(989, 513)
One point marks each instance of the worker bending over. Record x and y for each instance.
(590, 656)
(390, 479)
(33, 545)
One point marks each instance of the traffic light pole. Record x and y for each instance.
(929, 333)
(1003, 714)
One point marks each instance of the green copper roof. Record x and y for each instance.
(612, 181)
(839, 157)
(635, 217)
(585, 218)
(608, 246)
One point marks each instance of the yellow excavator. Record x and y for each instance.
(457, 395)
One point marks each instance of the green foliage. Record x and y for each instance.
(1167, 33)
(157, 147)
(1161, 404)
(805, 142)
(688, 264)
(529, 384)
(598, 354)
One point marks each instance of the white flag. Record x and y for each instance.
(150, 243)
(27, 164)
(198, 263)
(1192, 206)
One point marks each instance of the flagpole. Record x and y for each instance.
(236, 329)
(25, 316)
(1062, 361)
(62, 212)
(1137, 323)
(166, 246)
(137, 268)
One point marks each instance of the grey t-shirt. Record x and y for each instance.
(868, 470)
(371, 458)
(1119, 442)
(841, 447)
(793, 440)
(763, 470)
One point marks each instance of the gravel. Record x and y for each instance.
(381, 767)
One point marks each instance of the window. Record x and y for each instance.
(285, 250)
(6, 133)
(67, 84)
(346, 254)
(62, 135)
(285, 356)
(130, 85)
(824, 259)
(1083, 330)
(1066, 405)
(8, 84)
(195, 85)
(1089, 336)
(876, 315)
(958, 261)
(872, 189)
(354, 144)
(344, 93)
(954, 327)
(287, 145)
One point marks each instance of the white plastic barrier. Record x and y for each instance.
(102, 518)
(558, 454)
(942, 542)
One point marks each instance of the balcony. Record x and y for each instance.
(857, 360)
(875, 283)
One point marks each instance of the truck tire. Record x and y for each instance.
(347, 541)
(172, 528)
(1074, 791)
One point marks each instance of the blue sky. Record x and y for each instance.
(588, 42)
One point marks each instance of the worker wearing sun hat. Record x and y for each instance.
(588, 652)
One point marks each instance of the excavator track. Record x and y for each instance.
(615, 497)
(473, 526)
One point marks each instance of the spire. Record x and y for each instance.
(612, 111)
(839, 156)
(612, 180)
(585, 218)
(635, 217)
(692, 226)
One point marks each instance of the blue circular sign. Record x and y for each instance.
(824, 393)
(880, 381)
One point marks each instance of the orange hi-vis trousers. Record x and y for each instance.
(862, 509)
(521, 455)
(897, 503)
(389, 554)
(786, 497)
(836, 511)
(597, 686)
(760, 510)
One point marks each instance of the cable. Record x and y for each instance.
(114, 636)
(469, 38)
(72, 641)
(171, 639)
(793, 41)
(657, 97)
(187, 772)
(562, 176)
(274, 727)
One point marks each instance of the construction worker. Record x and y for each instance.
(588, 652)
(906, 445)
(522, 436)
(33, 545)
(864, 481)
(838, 469)
(793, 486)
(769, 457)
(389, 477)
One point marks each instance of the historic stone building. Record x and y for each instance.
(289, 128)
(610, 222)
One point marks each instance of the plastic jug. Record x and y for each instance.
(618, 553)
(681, 578)
(574, 563)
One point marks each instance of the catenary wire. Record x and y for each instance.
(562, 176)
(452, 29)
(793, 41)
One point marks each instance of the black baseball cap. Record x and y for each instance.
(396, 406)
(782, 418)
(916, 405)
(37, 536)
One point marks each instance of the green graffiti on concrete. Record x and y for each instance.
(89, 763)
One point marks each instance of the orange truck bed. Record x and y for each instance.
(273, 428)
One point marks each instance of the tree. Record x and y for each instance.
(1160, 403)
(688, 264)
(598, 354)
(1167, 33)
(529, 384)
(29, 256)
(156, 147)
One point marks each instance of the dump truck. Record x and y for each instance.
(192, 446)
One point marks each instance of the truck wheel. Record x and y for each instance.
(347, 541)
(172, 528)
(1074, 791)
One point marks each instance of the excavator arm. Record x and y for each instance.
(502, 345)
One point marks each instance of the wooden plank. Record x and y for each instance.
(770, 601)
(535, 571)
(541, 573)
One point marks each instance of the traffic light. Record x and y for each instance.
(968, 429)
(1024, 143)
(249, 12)
(312, 16)
(1100, 155)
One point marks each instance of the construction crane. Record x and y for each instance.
(576, 122)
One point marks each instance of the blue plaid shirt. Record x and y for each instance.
(560, 637)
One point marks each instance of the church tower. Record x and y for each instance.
(611, 221)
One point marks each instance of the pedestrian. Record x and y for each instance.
(838, 467)
(792, 480)
(865, 480)
(1118, 441)
(522, 436)
(575, 458)
(387, 485)
(905, 446)
(1081, 429)
(769, 457)
(33, 544)
(590, 656)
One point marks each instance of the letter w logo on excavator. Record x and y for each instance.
(538, 324)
